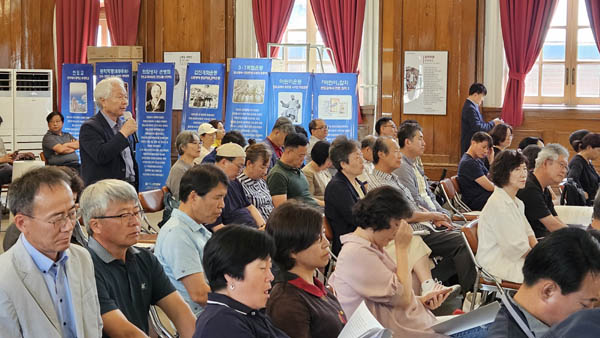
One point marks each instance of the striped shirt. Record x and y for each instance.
(258, 193)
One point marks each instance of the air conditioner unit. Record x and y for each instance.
(32, 103)
(7, 88)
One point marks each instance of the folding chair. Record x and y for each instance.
(484, 281)
(332, 261)
(461, 211)
(152, 201)
(157, 325)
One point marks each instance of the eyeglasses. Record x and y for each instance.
(125, 217)
(323, 127)
(60, 221)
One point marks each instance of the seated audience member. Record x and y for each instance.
(581, 324)
(550, 169)
(300, 129)
(188, 148)
(365, 272)
(344, 189)
(129, 280)
(576, 137)
(47, 287)
(299, 303)
(79, 235)
(207, 138)
(596, 213)
(316, 171)
(505, 236)
(286, 180)
(475, 186)
(318, 132)
(237, 263)
(412, 175)
(581, 169)
(366, 148)
(561, 277)
(253, 181)
(6, 161)
(531, 152)
(218, 125)
(232, 136)
(385, 126)
(180, 243)
(276, 139)
(448, 244)
(238, 209)
(501, 139)
(531, 140)
(59, 147)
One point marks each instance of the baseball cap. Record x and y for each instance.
(206, 128)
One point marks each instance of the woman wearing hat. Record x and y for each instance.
(207, 135)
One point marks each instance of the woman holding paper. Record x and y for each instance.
(299, 303)
(365, 272)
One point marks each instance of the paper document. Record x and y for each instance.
(364, 324)
(481, 316)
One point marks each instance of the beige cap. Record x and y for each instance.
(231, 150)
(206, 128)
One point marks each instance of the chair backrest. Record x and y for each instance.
(43, 157)
(470, 231)
(454, 180)
(152, 200)
(448, 188)
(327, 228)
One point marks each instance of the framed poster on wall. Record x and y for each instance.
(425, 82)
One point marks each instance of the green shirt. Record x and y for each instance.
(286, 180)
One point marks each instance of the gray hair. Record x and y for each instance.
(550, 152)
(104, 88)
(284, 125)
(185, 137)
(96, 198)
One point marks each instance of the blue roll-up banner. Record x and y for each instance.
(77, 99)
(335, 101)
(154, 118)
(248, 97)
(291, 96)
(117, 69)
(203, 98)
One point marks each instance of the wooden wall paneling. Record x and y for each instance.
(389, 11)
(46, 8)
(15, 38)
(159, 27)
(5, 32)
(398, 67)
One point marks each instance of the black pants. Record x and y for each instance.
(456, 258)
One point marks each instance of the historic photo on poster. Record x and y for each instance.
(181, 60)
(425, 82)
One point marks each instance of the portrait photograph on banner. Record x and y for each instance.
(154, 119)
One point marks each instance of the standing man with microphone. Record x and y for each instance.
(106, 140)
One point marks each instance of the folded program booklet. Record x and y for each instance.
(483, 315)
(363, 324)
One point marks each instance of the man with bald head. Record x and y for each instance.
(105, 141)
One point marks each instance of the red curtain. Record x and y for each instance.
(270, 20)
(122, 17)
(593, 10)
(524, 27)
(76, 29)
(340, 23)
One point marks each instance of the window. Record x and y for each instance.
(302, 28)
(103, 38)
(567, 70)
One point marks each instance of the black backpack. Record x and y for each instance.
(572, 194)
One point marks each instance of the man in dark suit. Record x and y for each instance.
(472, 120)
(105, 140)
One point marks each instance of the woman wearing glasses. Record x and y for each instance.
(299, 303)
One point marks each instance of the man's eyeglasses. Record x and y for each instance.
(323, 127)
(125, 217)
(60, 221)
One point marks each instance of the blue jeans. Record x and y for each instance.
(476, 332)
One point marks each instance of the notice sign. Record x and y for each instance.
(77, 103)
(154, 118)
(181, 60)
(425, 82)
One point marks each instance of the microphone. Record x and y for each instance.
(127, 116)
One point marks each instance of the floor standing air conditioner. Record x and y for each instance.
(7, 89)
(32, 103)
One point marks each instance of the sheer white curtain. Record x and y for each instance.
(493, 57)
(245, 39)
